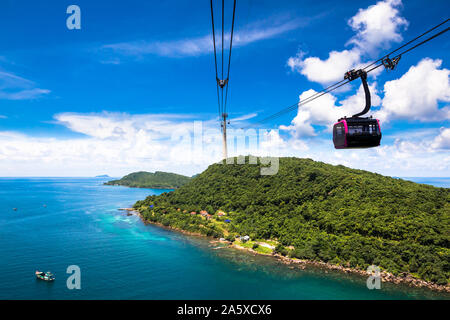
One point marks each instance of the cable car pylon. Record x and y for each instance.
(224, 135)
(222, 82)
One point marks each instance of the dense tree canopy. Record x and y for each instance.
(157, 180)
(321, 212)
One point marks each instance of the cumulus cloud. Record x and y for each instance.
(416, 95)
(407, 158)
(377, 26)
(119, 143)
(113, 126)
(442, 141)
(325, 71)
(13, 87)
(417, 157)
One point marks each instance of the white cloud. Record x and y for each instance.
(300, 125)
(202, 45)
(244, 117)
(8, 80)
(13, 87)
(265, 30)
(416, 95)
(376, 27)
(178, 48)
(325, 71)
(442, 141)
(115, 143)
(407, 158)
(115, 126)
(24, 94)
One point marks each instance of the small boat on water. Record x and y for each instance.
(46, 276)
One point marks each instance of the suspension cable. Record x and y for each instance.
(221, 83)
(229, 55)
(215, 57)
(223, 27)
(424, 41)
(409, 42)
(343, 82)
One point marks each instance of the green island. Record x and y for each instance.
(317, 212)
(157, 180)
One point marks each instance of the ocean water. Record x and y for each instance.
(437, 182)
(72, 221)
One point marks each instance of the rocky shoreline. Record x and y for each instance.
(404, 278)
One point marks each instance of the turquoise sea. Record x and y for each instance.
(75, 221)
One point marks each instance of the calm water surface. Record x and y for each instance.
(73, 221)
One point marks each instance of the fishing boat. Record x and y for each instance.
(46, 276)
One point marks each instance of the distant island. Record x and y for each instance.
(319, 213)
(157, 180)
(103, 176)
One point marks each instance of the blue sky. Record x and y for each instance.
(106, 98)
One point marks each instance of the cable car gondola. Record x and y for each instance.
(356, 131)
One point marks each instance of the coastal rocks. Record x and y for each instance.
(221, 240)
(404, 278)
(130, 211)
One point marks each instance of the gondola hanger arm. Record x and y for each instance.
(355, 74)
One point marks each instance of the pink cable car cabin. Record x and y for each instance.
(356, 131)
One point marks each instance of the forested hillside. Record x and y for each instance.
(157, 180)
(320, 212)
